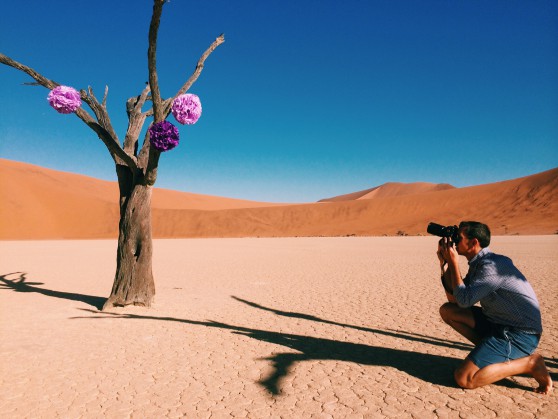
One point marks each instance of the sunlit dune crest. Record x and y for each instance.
(391, 189)
(39, 203)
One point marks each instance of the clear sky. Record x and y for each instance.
(306, 99)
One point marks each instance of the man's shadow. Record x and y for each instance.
(431, 368)
(414, 337)
(20, 284)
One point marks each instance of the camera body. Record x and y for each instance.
(442, 231)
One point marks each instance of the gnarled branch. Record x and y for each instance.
(41, 80)
(118, 155)
(136, 119)
(104, 104)
(100, 127)
(100, 111)
(167, 104)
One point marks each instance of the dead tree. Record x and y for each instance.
(136, 168)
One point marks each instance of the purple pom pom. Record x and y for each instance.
(163, 136)
(187, 108)
(64, 99)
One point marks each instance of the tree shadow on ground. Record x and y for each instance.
(392, 333)
(435, 369)
(20, 284)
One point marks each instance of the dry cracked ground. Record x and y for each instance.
(282, 328)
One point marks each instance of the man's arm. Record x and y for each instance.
(445, 274)
(485, 280)
(452, 275)
(447, 283)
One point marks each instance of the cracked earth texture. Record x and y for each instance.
(257, 328)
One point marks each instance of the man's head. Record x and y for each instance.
(476, 230)
(474, 236)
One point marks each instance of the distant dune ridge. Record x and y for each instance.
(391, 189)
(39, 203)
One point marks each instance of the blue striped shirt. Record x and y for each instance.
(505, 295)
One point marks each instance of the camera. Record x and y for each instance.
(439, 230)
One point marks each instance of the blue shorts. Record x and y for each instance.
(502, 344)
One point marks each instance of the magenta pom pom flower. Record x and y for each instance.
(64, 99)
(187, 108)
(163, 136)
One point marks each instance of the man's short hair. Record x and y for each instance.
(476, 230)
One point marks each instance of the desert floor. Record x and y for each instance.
(297, 327)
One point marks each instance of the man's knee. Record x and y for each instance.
(447, 310)
(464, 379)
(464, 375)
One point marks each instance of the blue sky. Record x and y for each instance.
(305, 99)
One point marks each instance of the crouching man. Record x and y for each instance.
(506, 329)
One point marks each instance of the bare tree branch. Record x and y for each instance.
(167, 104)
(143, 97)
(149, 157)
(118, 155)
(152, 59)
(136, 119)
(104, 104)
(111, 142)
(101, 112)
(41, 80)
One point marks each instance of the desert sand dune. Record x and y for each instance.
(391, 189)
(38, 203)
(522, 206)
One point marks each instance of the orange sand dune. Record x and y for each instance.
(391, 189)
(522, 206)
(38, 203)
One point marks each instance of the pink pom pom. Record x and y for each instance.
(187, 108)
(64, 99)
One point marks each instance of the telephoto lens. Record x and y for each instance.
(437, 230)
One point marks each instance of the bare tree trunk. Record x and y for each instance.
(133, 282)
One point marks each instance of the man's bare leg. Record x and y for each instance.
(470, 376)
(460, 319)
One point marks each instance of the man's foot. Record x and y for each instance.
(540, 373)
